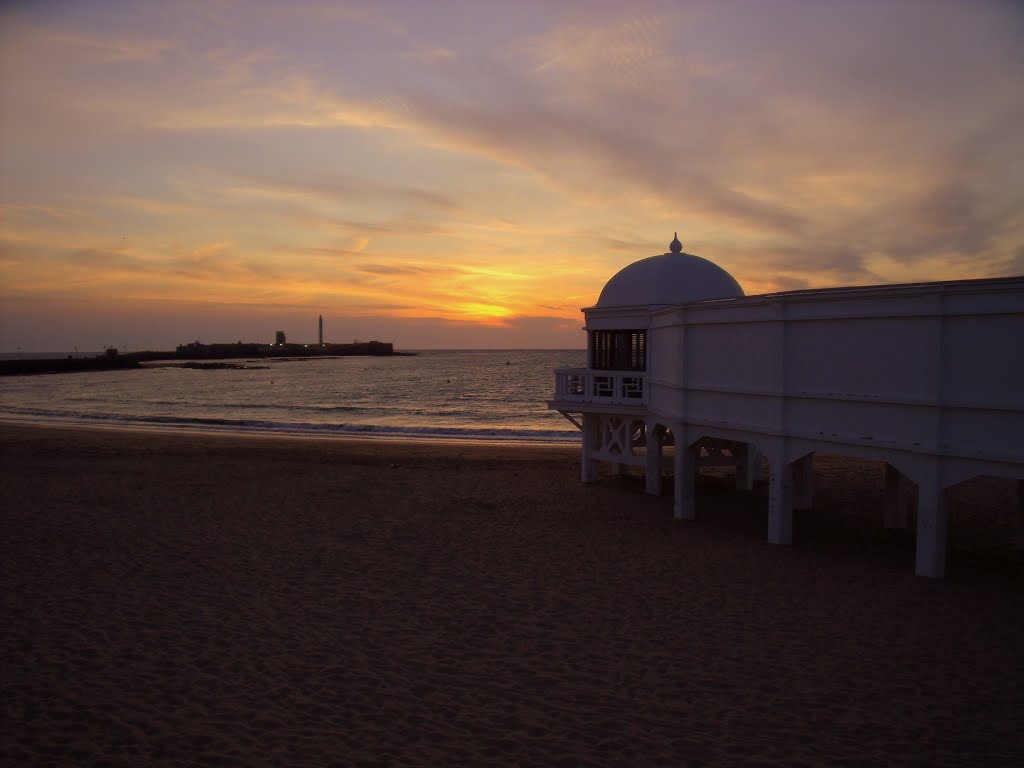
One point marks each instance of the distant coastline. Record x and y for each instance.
(112, 360)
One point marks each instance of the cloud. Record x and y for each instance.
(93, 259)
(207, 253)
(401, 269)
(727, 147)
(622, 50)
(31, 211)
(339, 188)
(357, 153)
(110, 50)
(432, 55)
(1014, 266)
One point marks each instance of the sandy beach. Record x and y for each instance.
(222, 600)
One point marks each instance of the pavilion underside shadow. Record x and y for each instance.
(848, 514)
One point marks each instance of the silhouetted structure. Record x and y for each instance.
(197, 351)
(111, 360)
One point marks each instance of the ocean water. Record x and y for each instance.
(496, 395)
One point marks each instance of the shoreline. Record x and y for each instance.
(297, 433)
(255, 600)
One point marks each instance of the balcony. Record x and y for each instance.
(586, 385)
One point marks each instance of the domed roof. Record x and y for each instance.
(671, 278)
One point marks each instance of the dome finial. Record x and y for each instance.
(675, 246)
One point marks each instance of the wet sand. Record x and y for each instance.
(218, 600)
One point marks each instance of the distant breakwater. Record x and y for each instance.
(112, 361)
(66, 365)
(197, 351)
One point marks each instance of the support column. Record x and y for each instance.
(803, 482)
(897, 498)
(748, 463)
(686, 473)
(588, 470)
(780, 500)
(653, 469)
(932, 527)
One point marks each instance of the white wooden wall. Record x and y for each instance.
(928, 378)
(933, 371)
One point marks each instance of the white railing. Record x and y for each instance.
(586, 385)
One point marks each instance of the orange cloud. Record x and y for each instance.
(393, 167)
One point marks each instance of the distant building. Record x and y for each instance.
(684, 371)
(279, 338)
(321, 330)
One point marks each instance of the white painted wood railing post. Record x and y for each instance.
(685, 475)
(588, 469)
(747, 466)
(932, 526)
(780, 499)
(652, 485)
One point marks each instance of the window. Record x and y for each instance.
(618, 350)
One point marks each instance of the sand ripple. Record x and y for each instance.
(226, 602)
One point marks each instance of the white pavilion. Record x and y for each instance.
(927, 377)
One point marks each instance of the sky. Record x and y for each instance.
(469, 173)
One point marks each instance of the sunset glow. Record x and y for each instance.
(469, 174)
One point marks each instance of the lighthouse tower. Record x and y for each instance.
(321, 330)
